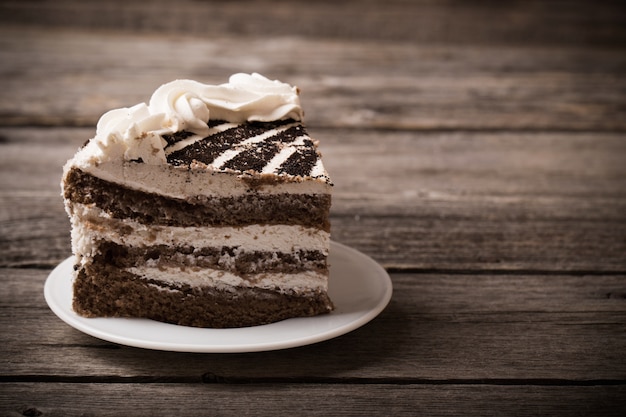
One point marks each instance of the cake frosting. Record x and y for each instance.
(208, 206)
(186, 105)
(146, 133)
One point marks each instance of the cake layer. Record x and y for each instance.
(233, 259)
(91, 224)
(105, 291)
(122, 202)
(280, 160)
(181, 182)
(240, 251)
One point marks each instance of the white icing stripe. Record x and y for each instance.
(95, 224)
(225, 157)
(318, 170)
(282, 156)
(303, 281)
(219, 162)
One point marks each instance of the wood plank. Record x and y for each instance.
(469, 201)
(437, 327)
(62, 77)
(528, 22)
(163, 399)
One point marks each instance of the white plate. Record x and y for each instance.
(359, 287)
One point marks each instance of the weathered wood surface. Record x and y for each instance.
(478, 152)
(66, 79)
(449, 21)
(289, 399)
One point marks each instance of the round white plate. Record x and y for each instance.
(359, 287)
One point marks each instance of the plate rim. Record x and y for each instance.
(67, 315)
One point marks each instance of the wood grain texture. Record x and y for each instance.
(446, 21)
(162, 399)
(71, 78)
(477, 150)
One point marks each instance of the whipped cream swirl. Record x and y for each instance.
(136, 132)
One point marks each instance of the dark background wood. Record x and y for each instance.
(479, 154)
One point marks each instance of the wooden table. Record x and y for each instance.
(479, 155)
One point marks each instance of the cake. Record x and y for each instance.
(206, 207)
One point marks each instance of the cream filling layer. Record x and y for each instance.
(181, 183)
(300, 282)
(91, 225)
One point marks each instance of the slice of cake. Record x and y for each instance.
(207, 207)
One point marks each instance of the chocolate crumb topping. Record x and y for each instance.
(300, 163)
(216, 122)
(249, 154)
(254, 158)
(176, 137)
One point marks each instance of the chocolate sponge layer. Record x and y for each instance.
(225, 258)
(309, 210)
(106, 291)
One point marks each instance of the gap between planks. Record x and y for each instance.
(507, 272)
(210, 378)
